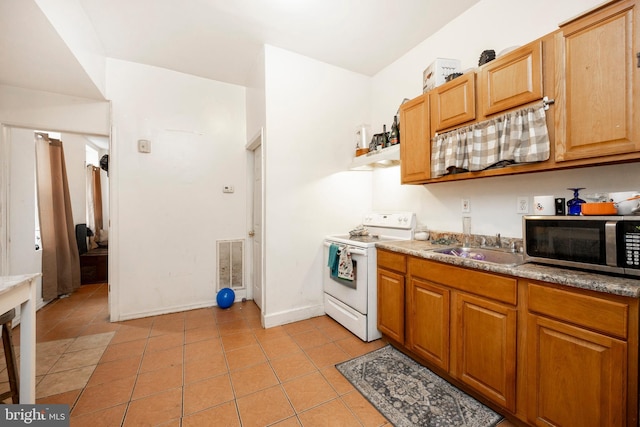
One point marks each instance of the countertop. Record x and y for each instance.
(7, 283)
(615, 285)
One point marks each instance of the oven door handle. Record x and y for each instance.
(352, 250)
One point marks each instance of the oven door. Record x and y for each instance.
(352, 293)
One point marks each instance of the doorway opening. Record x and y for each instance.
(19, 253)
(255, 219)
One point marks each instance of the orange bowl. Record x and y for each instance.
(601, 208)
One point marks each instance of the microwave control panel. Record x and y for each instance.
(631, 236)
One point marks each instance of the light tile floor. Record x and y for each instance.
(203, 367)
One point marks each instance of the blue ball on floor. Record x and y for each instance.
(225, 297)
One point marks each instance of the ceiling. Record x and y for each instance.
(216, 39)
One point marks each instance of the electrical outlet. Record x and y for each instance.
(522, 205)
(466, 206)
(144, 146)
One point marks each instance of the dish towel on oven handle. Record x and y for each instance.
(333, 261)
(345, 266)
(340, 263)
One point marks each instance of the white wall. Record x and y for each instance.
(170, 209)
(490, 24)
(75, 154)
(23, 258)
(312, 112)
(256, 115)
(44, 110)
(73, 25)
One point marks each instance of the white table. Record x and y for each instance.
(21, 291)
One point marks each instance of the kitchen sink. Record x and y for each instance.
(493, 256)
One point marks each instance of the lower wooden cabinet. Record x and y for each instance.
(582, 357)
(473, 337)
(576, 377)
(391, 294)
(391, 304)
(546, 354)
(428, 321)
(484, 347)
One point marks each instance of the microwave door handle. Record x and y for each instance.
(610, 243)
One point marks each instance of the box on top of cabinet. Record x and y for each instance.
(436, 73)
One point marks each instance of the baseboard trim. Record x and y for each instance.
(165, 310)
(290, 316)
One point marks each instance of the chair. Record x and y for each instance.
(10, 357)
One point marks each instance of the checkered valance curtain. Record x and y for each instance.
(516, 137)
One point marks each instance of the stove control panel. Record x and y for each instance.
(405, 220)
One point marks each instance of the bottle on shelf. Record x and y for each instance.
(385, 137)
(394, 135)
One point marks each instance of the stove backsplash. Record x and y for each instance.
(475, 240)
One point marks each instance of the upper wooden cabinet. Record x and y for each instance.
(454, 102)
(598, 79)
(415, 149)
(511, 80)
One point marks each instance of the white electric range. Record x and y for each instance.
(353, 304)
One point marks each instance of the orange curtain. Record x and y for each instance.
(60, 258)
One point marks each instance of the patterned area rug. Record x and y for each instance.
(408, 394)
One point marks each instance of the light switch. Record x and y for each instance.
(144, 146)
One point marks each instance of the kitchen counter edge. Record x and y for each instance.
(598, 282)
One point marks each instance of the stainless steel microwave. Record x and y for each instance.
(601, 243)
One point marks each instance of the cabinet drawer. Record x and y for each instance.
(599, 314)
(476, 282)
(392, 261)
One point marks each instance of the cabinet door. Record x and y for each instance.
(415, 143)
(454, 102)
(576, 377)
(391, 304)
(485, 348)
(512, 80)
(428, 321)
(596, 111)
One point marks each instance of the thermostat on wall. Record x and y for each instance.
(227, 189)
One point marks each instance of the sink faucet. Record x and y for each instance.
(498, 241)
(516, 247)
